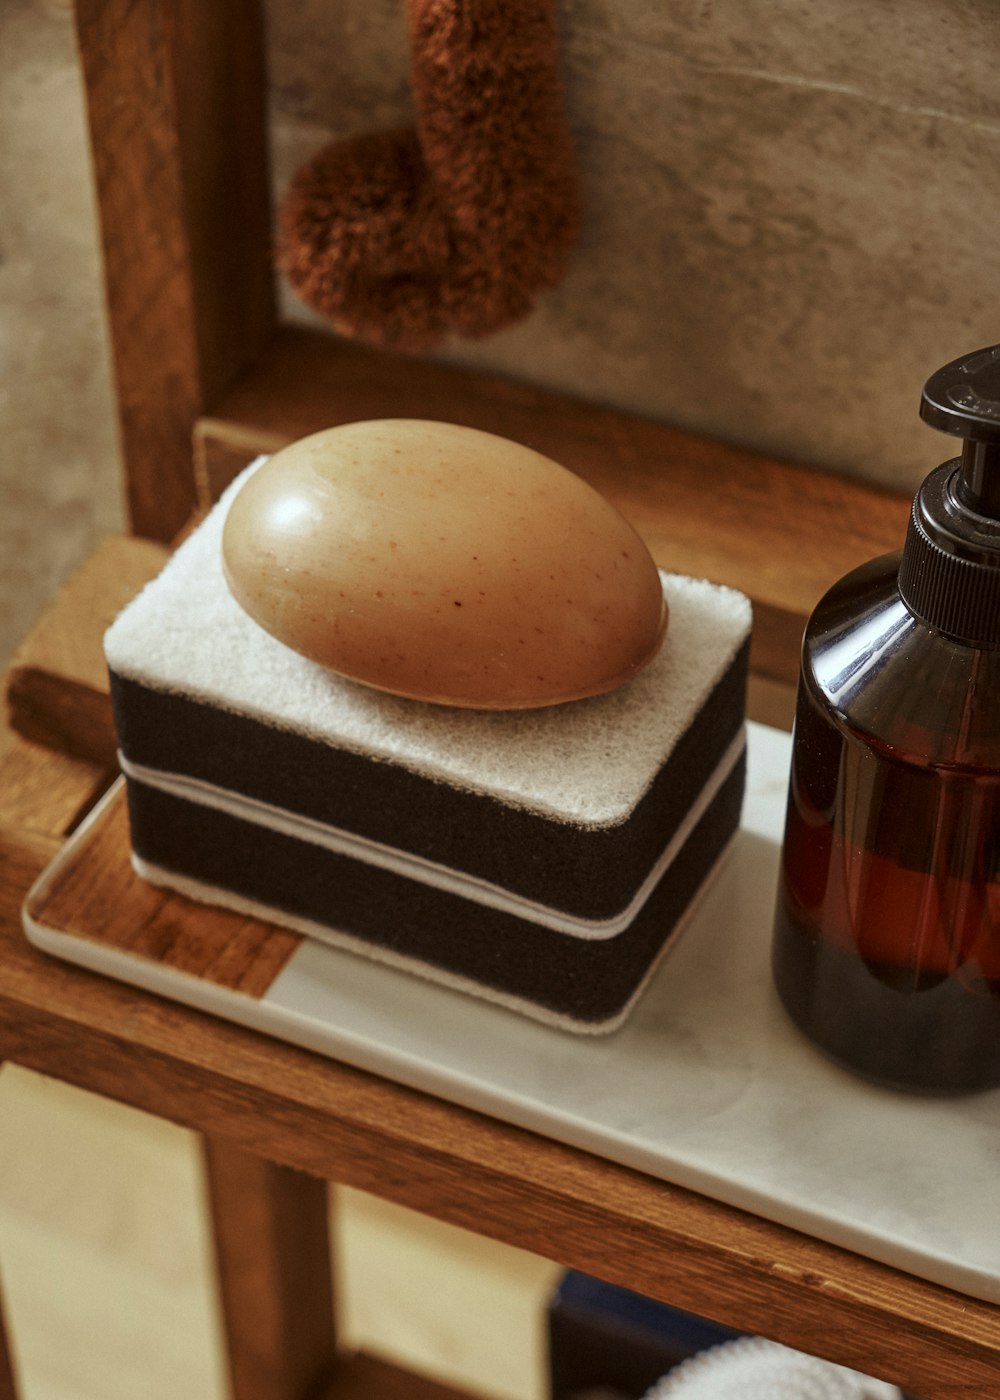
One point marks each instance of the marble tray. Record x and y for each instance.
(707, 1085)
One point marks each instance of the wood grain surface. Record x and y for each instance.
(43, 794)
(176, 95)
(57, 686)
(100, 898)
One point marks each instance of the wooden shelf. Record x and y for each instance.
(322, 1118)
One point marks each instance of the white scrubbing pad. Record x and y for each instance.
(751, 1368)
(587, 762)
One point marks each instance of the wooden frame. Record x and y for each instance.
(176, 97)
(206, 378)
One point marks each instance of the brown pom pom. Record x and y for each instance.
(362, 239)
(507, 176)
(402, 236)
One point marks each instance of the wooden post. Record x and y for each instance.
(273, 1258)
(8, 1390)
(176, 95)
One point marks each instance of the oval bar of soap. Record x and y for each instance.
(444, 564)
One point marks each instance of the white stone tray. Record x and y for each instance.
(708, 1085)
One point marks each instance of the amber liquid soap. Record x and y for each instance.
(887, 930)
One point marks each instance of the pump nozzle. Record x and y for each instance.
(949, 575)
(963, 399)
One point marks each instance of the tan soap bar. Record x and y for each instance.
(443, 564)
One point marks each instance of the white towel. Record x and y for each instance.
(751, 1368)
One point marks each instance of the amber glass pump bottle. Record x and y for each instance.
(887, 932)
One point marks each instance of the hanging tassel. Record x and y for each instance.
(455, 226)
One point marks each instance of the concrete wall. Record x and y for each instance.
(790, 206)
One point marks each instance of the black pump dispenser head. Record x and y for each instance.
(964, 399)
(949, 576)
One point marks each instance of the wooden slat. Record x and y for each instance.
(176, 96)
(43, 794)
(273, 1256)
(273, 1261)
(780, 532)
(57, 686)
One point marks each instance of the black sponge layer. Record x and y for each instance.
(592, 873)
(588, 981)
